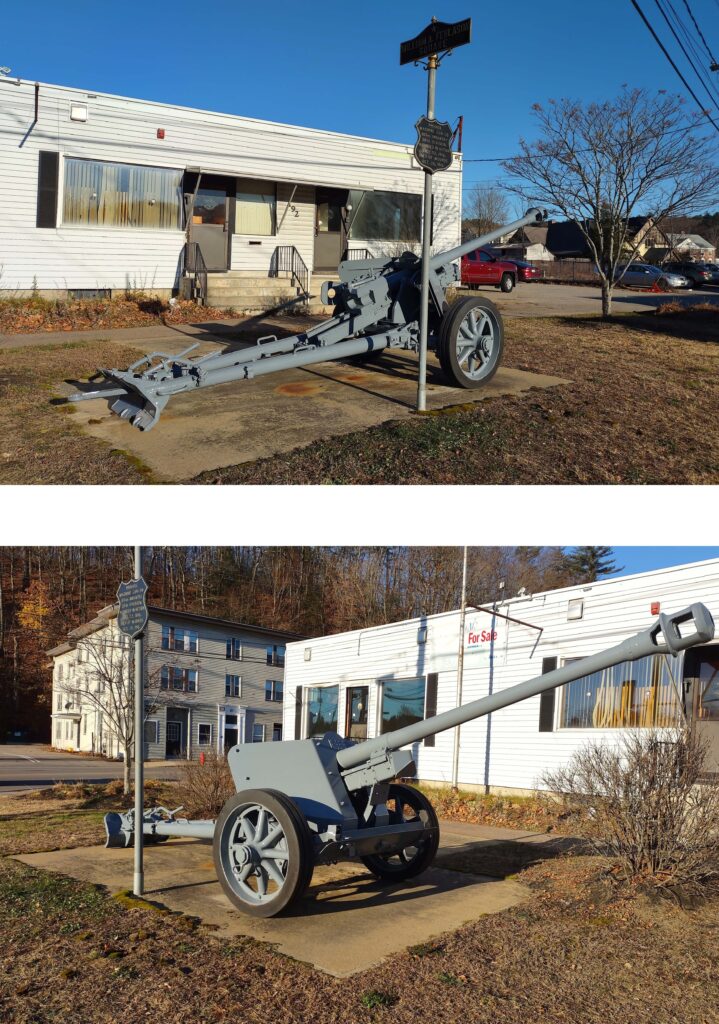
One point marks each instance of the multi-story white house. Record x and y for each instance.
(369, 681)
(211, 683)
(103, 193)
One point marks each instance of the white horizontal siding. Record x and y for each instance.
(518, 752)
(124, 130)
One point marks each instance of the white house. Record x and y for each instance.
(103, 193)
(367, 681)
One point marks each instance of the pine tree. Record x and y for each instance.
(587, 564)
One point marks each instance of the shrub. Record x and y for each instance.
(202, 789)
(646, 803)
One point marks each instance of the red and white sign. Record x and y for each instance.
(486, 636)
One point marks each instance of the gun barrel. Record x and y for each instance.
(533, 216)
(664, 637)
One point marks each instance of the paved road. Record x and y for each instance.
(571, 300)
(33, 766)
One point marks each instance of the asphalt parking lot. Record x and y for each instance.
(539, 299)
(33, 766)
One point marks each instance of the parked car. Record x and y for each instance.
(525, 271)
(644, 275)
(480, 267)
(697, 274)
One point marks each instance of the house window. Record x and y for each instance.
(174, 639)
(121, 195)
(402, 703)
(634, 694)
(276, 655)
(233, 686)
(273, 690)
(58, 706)
(258, 733)
(59, 672)
(58, 731)
(390, 216)
(152, 731)
(233, 649)
(322, 704)
(277, 731)
(84, 725)
(204, 734)
(174, 678)
(255, 208)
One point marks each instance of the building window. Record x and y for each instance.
(273, 690)
(276, 655)
(152, 731)
(322, 704)
(258, 733)
(389, 216)
(402, 703)
(233, 686)
(174, 639)
(277, 731)
(58, 706)
(255, 208)
(174, 678)
(121, 195)
(84, 725)
(706, 690)
(59, 672)
(634, 694)
(233, 649)
(204, 734)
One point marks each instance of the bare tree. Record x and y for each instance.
(485, 209)
(600, 164)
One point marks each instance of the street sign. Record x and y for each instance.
(433, 148)
(132, 616)
(437, 37)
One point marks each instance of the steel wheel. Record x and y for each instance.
(507, 283)
(471, 342)
(407, 804)
(263, 852)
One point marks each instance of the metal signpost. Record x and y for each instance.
(432, 151)
(131, 620)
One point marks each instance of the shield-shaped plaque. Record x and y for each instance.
(433, 148)
(132, 614)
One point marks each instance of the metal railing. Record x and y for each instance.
(196, 268)
(287, 260)
(357, 254)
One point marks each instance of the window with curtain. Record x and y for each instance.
(122, 195)
(390, 216)
(255, 207)
(636, 694)
(402, 703)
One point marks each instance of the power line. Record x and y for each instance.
(697, 72)
(693, 46)
(666, 53)
(701, 34)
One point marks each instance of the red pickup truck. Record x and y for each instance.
(479, 267)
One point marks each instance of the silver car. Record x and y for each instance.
(644, 275)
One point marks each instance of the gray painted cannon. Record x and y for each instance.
(317, 801)
(376, 306)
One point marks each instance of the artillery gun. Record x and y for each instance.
(376, 306)
(317, 801)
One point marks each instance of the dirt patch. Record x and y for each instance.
(33, 314)
(298, 388)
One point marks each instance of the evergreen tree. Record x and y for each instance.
(587, 564)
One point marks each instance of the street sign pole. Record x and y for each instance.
(139, 878)
(426, 241)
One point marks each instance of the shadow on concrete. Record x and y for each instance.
(499, 858)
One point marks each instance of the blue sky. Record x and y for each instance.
(335, 65)
(642, 559)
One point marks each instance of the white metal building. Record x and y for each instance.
(367, 681)
(105, 192)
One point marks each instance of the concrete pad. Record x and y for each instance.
(373, 920)
(248, 420)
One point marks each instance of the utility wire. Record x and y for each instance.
(701, 34)
(694, 47)
(666, 53)
(697, 72)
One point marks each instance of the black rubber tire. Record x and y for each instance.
(507, 283)
(299, 841)
(446, 345)
(382, 867)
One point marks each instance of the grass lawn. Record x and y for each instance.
(577, 951)
(642, 407)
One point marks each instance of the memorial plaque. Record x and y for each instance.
(132, 616)
(433, 148)
(438, 36)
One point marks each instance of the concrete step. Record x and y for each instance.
(227, 295)
(251, 283)
(258, 302)
(240, 275)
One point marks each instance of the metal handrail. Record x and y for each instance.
(286, 259)
(357, 254)
(196, 268)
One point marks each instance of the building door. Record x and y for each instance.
(356, 715)
(329, 228)
(210, 224)
(174, 745)
(701, 678)
(231, 732)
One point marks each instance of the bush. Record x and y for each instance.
(202, 789)
(646, 804)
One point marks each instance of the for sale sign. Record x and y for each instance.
(486, 636)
